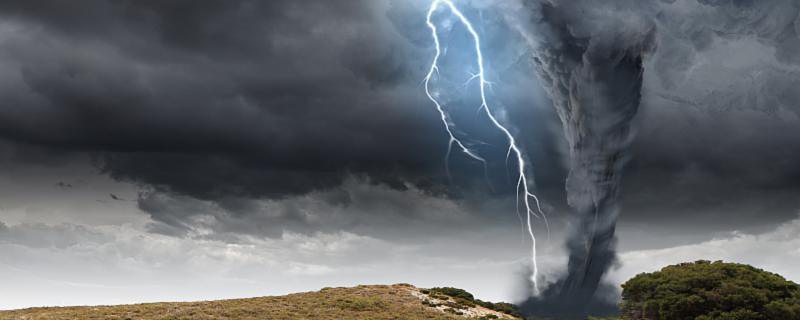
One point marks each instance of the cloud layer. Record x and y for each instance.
(237, 124)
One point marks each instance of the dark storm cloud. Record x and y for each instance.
(273, 98)
(717, 144)
(248, 113)
(728, 55)
(702, 171)
(718, 147)
(356, 206)
(270, 100)
(44, 236)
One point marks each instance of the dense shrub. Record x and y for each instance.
(454, 292)
(503, 307)
(464, 298)
(706, 290)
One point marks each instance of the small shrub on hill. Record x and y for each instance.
(454, 292)
(465, 299)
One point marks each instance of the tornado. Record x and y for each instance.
(589, 56)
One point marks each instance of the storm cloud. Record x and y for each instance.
(232, 102)
(275, 98)
(237, 119)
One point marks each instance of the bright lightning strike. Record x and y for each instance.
(529, 200)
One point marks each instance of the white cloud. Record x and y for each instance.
(77, 246)
(122, 264)
(79, 264)
(306, 269)
(88, 265)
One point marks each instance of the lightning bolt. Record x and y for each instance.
(529, 200)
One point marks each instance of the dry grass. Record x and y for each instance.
(362, 302)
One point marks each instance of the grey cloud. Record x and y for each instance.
(44, 236)
(133, 266)
(717, 134)
(358, 205)
(719, 109)
(246, 122)
(712, 171)
(728, 55)
(301, 93)
(244, 102)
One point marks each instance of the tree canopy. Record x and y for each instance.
(705, 290)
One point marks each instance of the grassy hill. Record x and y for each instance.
(400, 301)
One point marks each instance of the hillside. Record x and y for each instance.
(400, 301)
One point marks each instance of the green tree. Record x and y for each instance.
(706, 290)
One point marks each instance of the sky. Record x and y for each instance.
(185, 150)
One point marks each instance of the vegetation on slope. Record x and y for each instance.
(706, 290)
(363, 302)
(701, 290)
(465, 298)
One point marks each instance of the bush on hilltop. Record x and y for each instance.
(705, 290)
